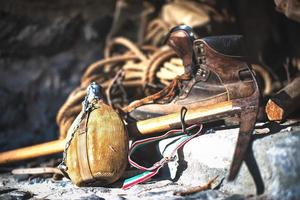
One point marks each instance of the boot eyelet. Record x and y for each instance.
(202, 50)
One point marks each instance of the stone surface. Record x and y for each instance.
(15, 195)
(155, 189)
(276, 156)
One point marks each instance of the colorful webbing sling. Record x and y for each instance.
(154, 169)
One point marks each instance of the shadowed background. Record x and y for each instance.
(46, 45)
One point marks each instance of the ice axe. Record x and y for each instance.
(144, 127)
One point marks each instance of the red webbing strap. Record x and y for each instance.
(153, 170)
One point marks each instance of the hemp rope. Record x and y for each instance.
(140, 66)
(145, 66)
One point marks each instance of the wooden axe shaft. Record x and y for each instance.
(171, 121)
(144, 127)
(284, 102)
(34, 151)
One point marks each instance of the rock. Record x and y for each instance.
(235, 197)
(206, 195)
(4, 190)
(16, 195)
(284, 163)
(21, 177)
(92, 197)
(277, 157)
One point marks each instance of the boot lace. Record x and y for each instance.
(164, 96)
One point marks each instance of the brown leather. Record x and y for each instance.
(82, 154)
(98, 152)
(215, 76)
(249, 107)
(230, 45)
(182, 42)
(228, 69)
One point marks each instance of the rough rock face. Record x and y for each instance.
(159, 190)
(273, 167)
(44, 48)
(277, 174)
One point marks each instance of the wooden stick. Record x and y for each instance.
(171, 121)
(48, 148)
(284, 102)
(194, 190)
(145, 127)
(37, 170)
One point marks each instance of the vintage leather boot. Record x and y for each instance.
(215, 71)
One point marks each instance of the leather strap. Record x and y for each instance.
(154, 169)
(82, 154)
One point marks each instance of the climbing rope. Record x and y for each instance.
(136, 68)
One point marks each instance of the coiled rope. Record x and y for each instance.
(140, 67)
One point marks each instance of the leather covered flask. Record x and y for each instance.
(96, 144)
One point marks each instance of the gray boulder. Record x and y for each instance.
(274, 162)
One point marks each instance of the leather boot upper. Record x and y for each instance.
(220, 73)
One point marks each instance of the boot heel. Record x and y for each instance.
(248, 115)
